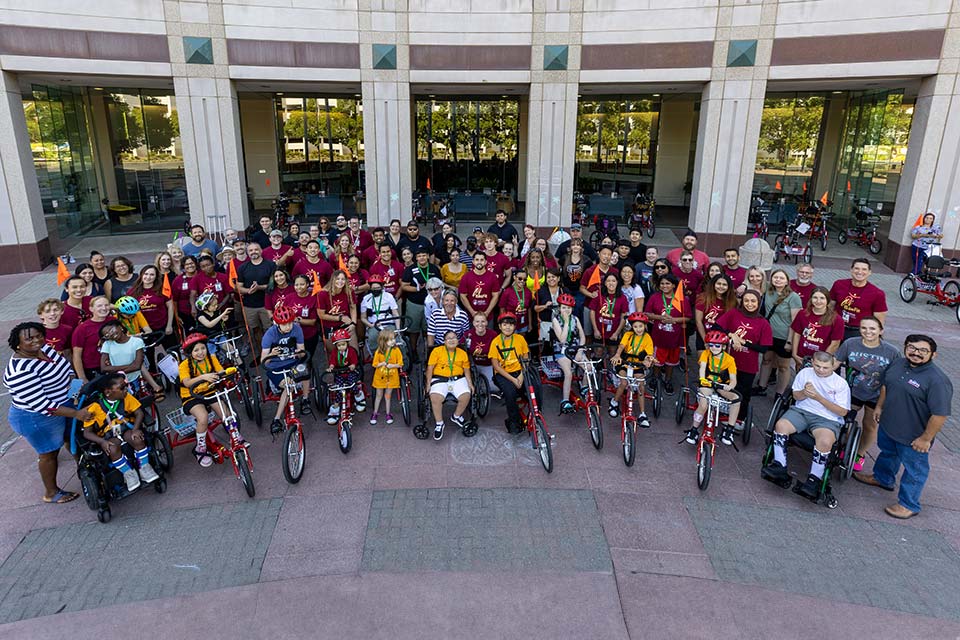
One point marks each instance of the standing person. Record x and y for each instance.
(529, 238)
(199, 242)
(165, 265)
(518, 300)
(803, 285)
(645, 271)
(448, 250)
(781, 306)
(857, 298)
(816, 328)
(433, 299)
(56, 333)
(121, 281)
(76, 308)
(547, 301)
(497, 262)
(313, 265)
(359, 238)
(389, 270)
(476, 342)
(207, 279)
(280, 290)
(39, 381)
(717, 298)
(452, 272)
(156, 307)
(689, 243)
(608, 312)
(262, 235)
(387, 362)
(638, 250)
(867, 359)
(480, 289)
(84, 270)
(750, 339)
(572, 267)
(590, 285)
(337, 308)
(304, 305)
(734, 269)
(576, 233)
(177, 255)
(414, 241)
(181, 292)
(922, 236)
(86, 340)
(100, 271)
(439, 241)
(631, 290)
(668, 337)
(914, 403)
(359, 278)
(277, 251)
(414, 285)
(691, 277)
(253, 276)
(394, 236)
(372, 253)
(503, 230)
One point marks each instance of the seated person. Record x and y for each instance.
(823, 400)
(117, 415)
(716, 366)
(199, 366)
(130, 316)
(345, 361)
(211, 319)
(506, 353)
(123, 353)
(376, 306)
(567, 333)
(448, 373)
(637, 345)
(285, 343)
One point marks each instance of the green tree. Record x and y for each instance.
(160, 128)
(790, 125)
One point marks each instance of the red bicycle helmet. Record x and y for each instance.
(566, 300)
(716, 337)
(340, 335)
(191, 340)
(284, 315)
(637, 316)
(509, 317)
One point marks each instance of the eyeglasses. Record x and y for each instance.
(921, 350)
(715, 345)
(433, 288)
(686, 259)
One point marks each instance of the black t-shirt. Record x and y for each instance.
(588, 251)
(247, 274)
(260, 237)
(637, 253)
(413, 275)
(414, 245)
(506, 233)
(572, 274)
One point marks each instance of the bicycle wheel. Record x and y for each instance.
(823, 239)
(243, 468)
(951, 289)
(257, 405)
(657, 398)
(629, 442)
(163, 450)
(294, 455)
(680, 409)
(595, 239)
(908, 289)
(704, 465)
(595, 426)
(875, 246)
(482, 395)
(345, 439)
(842, 237)
(405, 399)
(543, 445)
(747, 426)
(651, 228)
(807, 256)
(245, 398)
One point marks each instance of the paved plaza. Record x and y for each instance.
(469, 538)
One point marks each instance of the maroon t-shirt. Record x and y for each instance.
(273, 255)
(477, 346)
(510, 301)
(737, 275)
(154, 309)
(361, 241)
(59, 338)
(333, 305)
(753, 329)
(856, 303)
(321, 269)
(87, 337)
(181, 294)
(814, 336)
(609, 311)
(691, 282)
(710, 315)
(359, 278)
(371, 254)
(804, 291)
(479, 289)
(391, 273)
(306, 309)
(588, 274)
(218, 283)
(73, 317)
(498, 264)
(278, 297)
(664, 335)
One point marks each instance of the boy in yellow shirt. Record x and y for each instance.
(716, 366)
(506, 352)
(638, 346)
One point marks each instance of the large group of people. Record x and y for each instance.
(490, 300)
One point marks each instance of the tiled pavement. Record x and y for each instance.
(685, 564)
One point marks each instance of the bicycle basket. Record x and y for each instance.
(184, 424)
(550, 368)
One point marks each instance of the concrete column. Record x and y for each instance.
(673, 150)
(24, 245)
(931, 173)
(523, 152)
(551, 136)
(259, 137)
(388, 151)
(100, 132)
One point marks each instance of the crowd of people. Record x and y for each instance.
(490, 299)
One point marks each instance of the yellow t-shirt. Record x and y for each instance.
(718, 369)
(135, 324)
(440, 361)
(103, 424)
(210, 365)
(450, 278)
(633, 346)
(509, 361)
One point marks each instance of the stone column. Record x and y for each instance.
(24, 245)
(209, 115)
(931, 173)
(673, 150)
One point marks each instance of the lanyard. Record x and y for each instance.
(424, 273)
(378, 301)
(450, 358)
(610, 302)
(633, 351)
(342, 357)
(506, 348)
(570, 330)
(520, 297)
(714, 365)
(112, 409)
(667, 304)
(386, 357)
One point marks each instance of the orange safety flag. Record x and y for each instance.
(848, 186)
(232, 273)
(340, 263)
(677, 302)
(778, 187)
(823, 198)
(62, 272)
(804, 186)
(428, 184)
(919, 221)
(594, 278)
(317, 288)
(167, 290)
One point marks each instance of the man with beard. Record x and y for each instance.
(689, 243)
(479, 288)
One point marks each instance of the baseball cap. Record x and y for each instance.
(475, 229)
(576, 225)
(276, 232)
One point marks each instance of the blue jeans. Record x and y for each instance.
(918, 258)
(916, 468)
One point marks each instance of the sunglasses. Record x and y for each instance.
(661, 266)
(686, 259)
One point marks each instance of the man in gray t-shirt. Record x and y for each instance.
(913, 405)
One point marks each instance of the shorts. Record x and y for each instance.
(44, 433)
(416, 322)
(857, 403)
(257, 318)
(274, 368)
(806, 421)
(190, 403)
(669, 357)
(458, 387)
(780, 348)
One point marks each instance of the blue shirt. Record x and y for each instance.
(191, 249)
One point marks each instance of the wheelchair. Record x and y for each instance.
(100, 483)
(842, 456)
(423, 429)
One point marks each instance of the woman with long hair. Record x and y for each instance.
(750, 337)
(181, 293)
(280, 290)
(176, 254)
(718, 297)
(157, 308)
(818, 327)
(336, 308)
(528, 241)
(123, 278)
(164, 263)
(782, 305)
(548, 258)
(535, 269)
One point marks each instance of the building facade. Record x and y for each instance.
(134, 115)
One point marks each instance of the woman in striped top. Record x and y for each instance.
(39, 381)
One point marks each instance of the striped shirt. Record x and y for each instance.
(38, 385)
(438, 324)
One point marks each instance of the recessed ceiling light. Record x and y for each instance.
(279, 93)
(656, 95)
(98, 88)
(837, 93)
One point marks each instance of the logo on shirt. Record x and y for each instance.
(913, 383)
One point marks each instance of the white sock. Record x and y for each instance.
(780, 448)
(202, 439)
(819, 463)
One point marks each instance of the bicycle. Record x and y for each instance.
(641, 218)
(788, 244)
(817, 217)
(345, 400)
(588, 398)
(230, 354)
(293, 458)
(706, 443)
(606, 227)
(536, 426)
(628, 421)
(864, 234)
(931, 281)
(281, 209)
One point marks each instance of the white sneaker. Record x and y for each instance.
(132, 479)
(147, 474)
(373, 418)
(334, 415)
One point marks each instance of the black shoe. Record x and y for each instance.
(438, 431)
(305, 407)
(276, 427)
(775, 473)
(809, 489)
(668, 387)
(726, 438)
(692, 436)
(758, 391)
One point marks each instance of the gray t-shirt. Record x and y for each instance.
(865, 366)
(782, 316)
(913, 395)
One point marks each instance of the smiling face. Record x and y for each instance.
(919, 352)
(721, 287)
(870, 330)
(860, 272)
(750, 303)
(818, 301)
(50, 314)
(100, 308)
(804, 274)
(149, 277)
(30, 341)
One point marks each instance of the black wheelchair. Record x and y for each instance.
(101, 483)
(477, 408)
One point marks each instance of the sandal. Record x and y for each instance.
(159, 395)
(61, 497)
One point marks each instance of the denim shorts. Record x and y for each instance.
(43, 432)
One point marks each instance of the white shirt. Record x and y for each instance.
(833, 388)
(386, 306)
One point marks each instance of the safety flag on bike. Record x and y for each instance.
(804, 186)
(340, 263)
(167, 290)
(62, 272)
(232, 273)
(823, 198)
(778, 187)
(919, 221)
(317, 287)
(677, 302)
(848, 186)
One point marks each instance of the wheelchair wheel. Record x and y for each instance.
(629, 442)
(850, 452)
(160, 485)
(908, 289)
(104, 515)
(704, 466)
(680, 409)
(294, 455)
(162, 450)
(780, 406)
(595, 427)
(543, 445)
(482, 396)
(405, 399)
(90, 485)
(747, 426)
